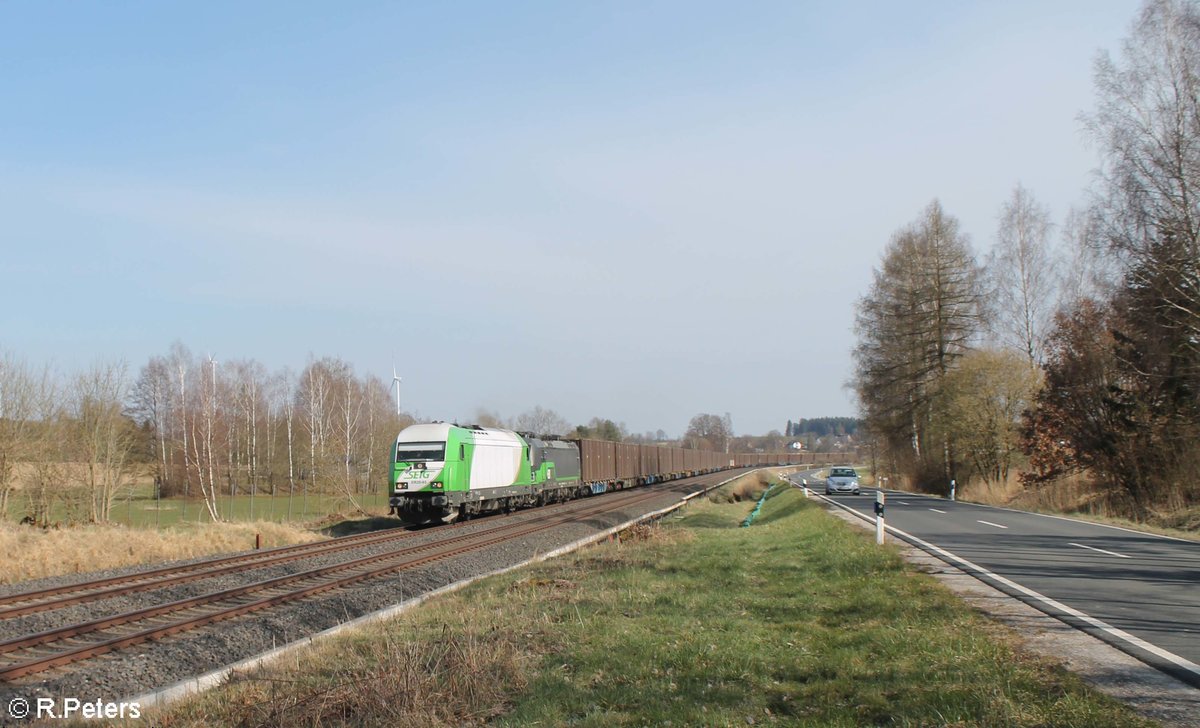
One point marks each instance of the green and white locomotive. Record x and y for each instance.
(442, 471)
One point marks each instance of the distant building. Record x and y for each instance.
(796, 445)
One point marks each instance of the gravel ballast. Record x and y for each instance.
(142, 668)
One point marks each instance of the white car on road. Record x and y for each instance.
(841, 480)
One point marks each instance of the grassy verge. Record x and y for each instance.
(797, 620)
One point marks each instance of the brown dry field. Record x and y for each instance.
(32, 553)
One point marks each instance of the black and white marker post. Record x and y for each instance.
(879, 501)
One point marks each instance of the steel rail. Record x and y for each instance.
(255, 557)
(82, 592)
(405, 557)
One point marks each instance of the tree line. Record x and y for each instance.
(202, 429)
(822, 426)
(64, 441)
(233, 427)
(208, 430)
(1080, 354)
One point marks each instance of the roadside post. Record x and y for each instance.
(952, 488)
(804, 485)
(879, 501)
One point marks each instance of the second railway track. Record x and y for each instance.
(48, 649)
(57, 597)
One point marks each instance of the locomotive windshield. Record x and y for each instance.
(408, 452)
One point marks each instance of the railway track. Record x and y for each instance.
(34, 653)
(31, 602)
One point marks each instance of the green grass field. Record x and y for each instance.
(796, 620)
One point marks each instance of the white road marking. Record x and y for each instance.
(936, 510)
(1093, 548)
(989, 523)
(1181, 662)
(1150, 534)
(902, 503)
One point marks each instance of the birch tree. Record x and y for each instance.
(103, 434)
(1022, 270)
(151, 404)
(1147, 125)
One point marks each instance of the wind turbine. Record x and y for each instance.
(396, 383)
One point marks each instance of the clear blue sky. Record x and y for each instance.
(633, 210)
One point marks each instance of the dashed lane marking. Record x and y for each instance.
(936, 510)
(989, 523)
(1103, 551)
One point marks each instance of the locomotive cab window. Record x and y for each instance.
(407, 452)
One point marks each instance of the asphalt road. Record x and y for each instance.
(1143, 589)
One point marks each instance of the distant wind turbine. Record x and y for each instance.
(396, 382)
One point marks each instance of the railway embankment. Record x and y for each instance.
(126, 639)
(797, 619)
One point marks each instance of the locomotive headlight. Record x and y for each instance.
(436, 486)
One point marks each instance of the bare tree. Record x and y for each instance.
(103, 434)
(1023, 273)
(316, 385)
(287, 390)
(151, 404)
(707, 432)
(919, 318)
(488, 418)
(181, 362)
(1087, 270)
(203, 426)
(351, 402)
(26, 408)
(1147, 125)
(542, 422)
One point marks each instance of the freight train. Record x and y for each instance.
(443, 472)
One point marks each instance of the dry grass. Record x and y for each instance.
(992, 492)
(1072, 494)
(747, 487)
(463, 678)
(1187, 520)
(457, 665)
(31, 553)
(654, 533)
